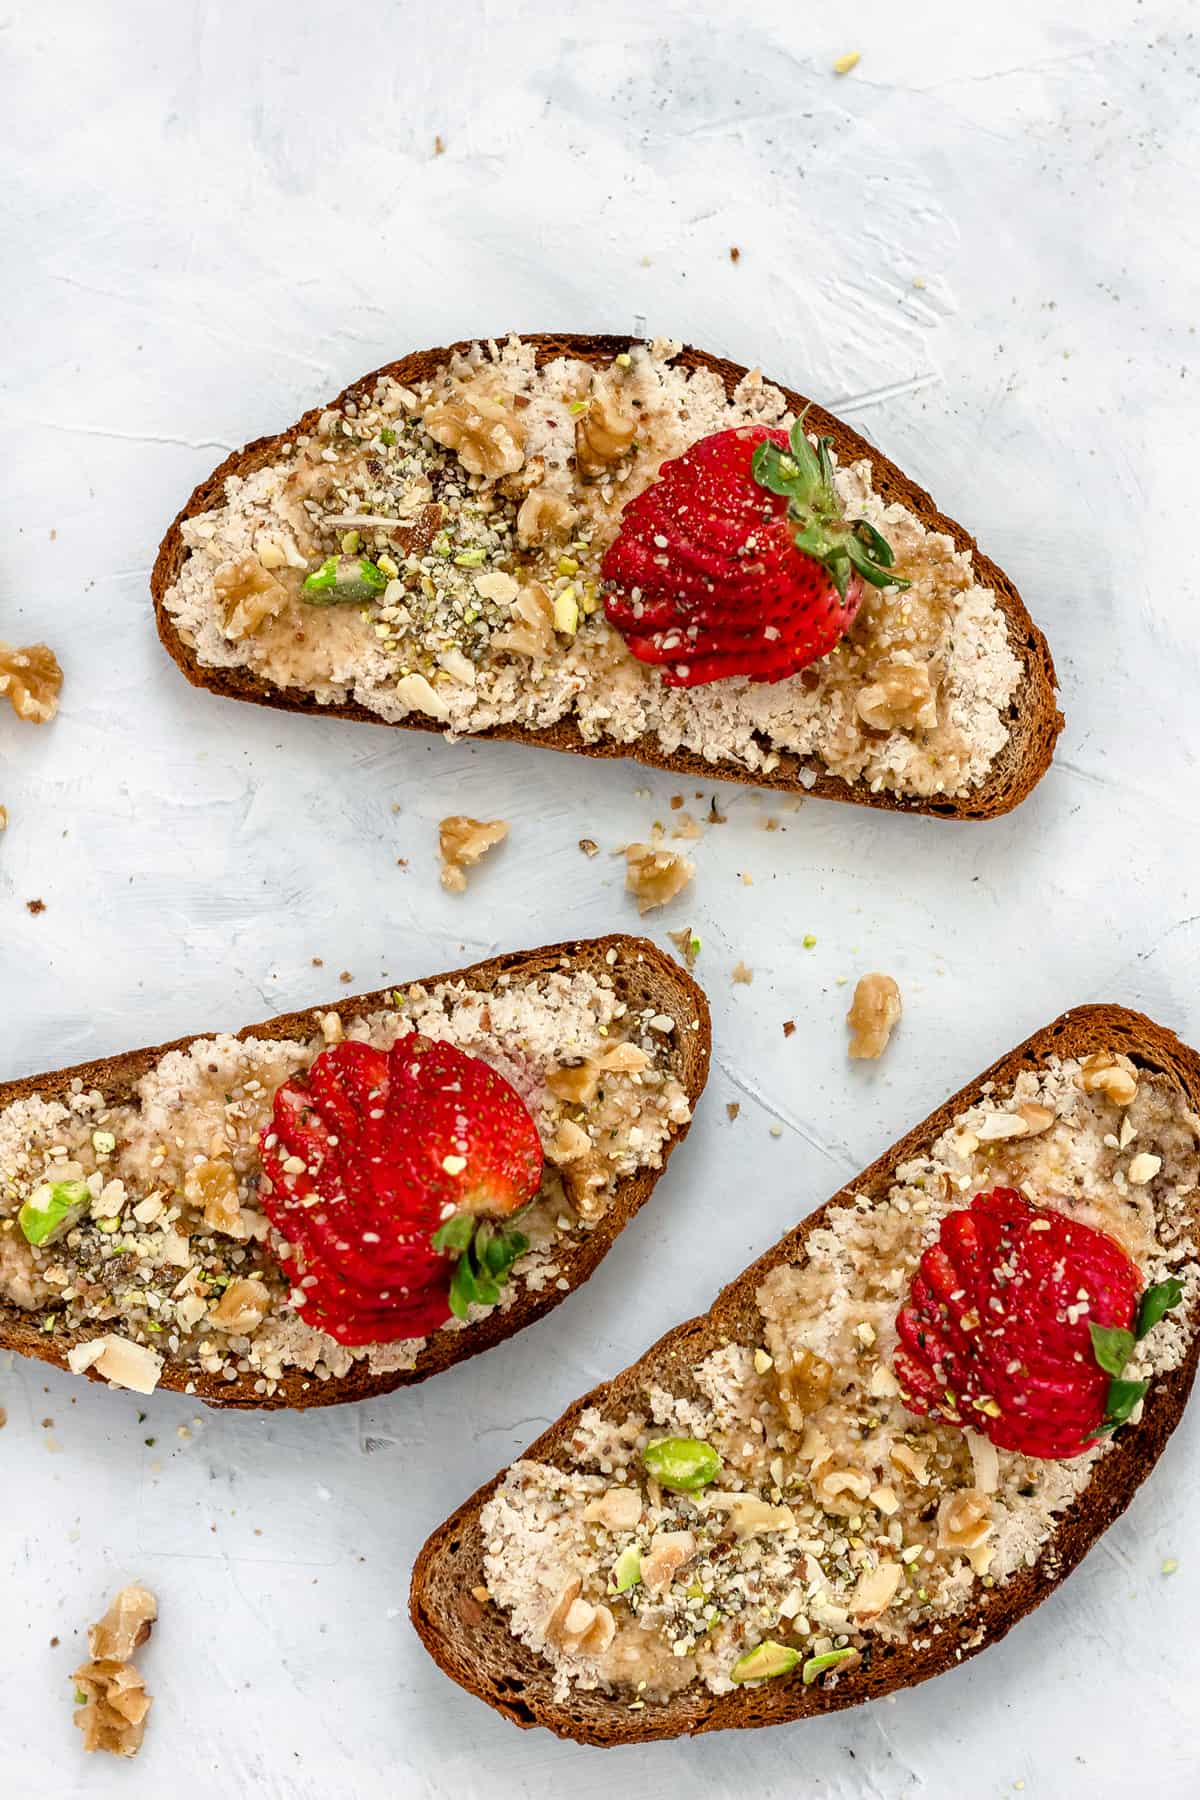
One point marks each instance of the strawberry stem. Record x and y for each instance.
(485, 1255)
(805, 478)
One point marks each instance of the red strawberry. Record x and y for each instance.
(738, 560)
(385, 1171)
(995, 1333)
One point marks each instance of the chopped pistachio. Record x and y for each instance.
(52, 1209)
(764, 1661)
(344, 578)
(627, 1570)
(471, 559)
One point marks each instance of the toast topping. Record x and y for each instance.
(739, 560)
(384, 1174)
(466, 524)
(169, 1256)
(110, 1694)
(839, 1517)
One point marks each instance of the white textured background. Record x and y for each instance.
(982, 246)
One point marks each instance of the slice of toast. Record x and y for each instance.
(473, 1644)
(642, 976)
(1032, 717)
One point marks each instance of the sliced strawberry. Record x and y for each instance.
(996, 1331)
(372, 1159)
(739, 561)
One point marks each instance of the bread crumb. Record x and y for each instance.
(747, 879)
(439, 146)
(3, 818)
(676, 802)
(346, 976)
(462, 841)
(732, 1109)
(35, 906)
(777, 1130)
(318, 962)
(742, 974)
(844, 64)
(589, 846)
(735, 254)
(789, 1026)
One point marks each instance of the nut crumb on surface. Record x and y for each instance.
(113, 1698)
(3, 818)
(742, 975)
(655, 875)
(732, 1109)
(687, 944)
(461, 842)
(589, 846)
(31, 679)
(346, 977)
(874, 1010)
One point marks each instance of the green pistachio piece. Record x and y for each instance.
(818, 1665)
(52, 1209)
(766, 1659)
(342, 579)
(682, 1464)
(627, 1570)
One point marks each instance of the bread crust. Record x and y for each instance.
(1033, 716)
(642, 973)
(481, 1654)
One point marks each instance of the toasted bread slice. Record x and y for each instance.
(473, 1644)
(1032, 718)
(641, 976)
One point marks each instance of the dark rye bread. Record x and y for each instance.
(642, 975)
(472, 1643)
(1033, 717)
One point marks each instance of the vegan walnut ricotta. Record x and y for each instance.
(175, 1260)
(487, 497)
(838, 1520)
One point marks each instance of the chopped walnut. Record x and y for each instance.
(910, 1462)
(964, 1521)
(212, 1188)
(1037, 1118)
(1114, 1076)
(804, 1379)
(875, 1590)
(750, 1517)
(462, 842)
(902, 696)
(577, 1083)
(655, 875)
(584, 1180)
(32, 680)
(544, 516)
(242, 1307)
(532, 630)
(667, 1553)
(742, 974)
(687, 944)
(604, 429)
(568, 1144)
(487, 436)
(112, 1716)
(248, 596)
(841, 1491)
(617, 1510)
(873, 1012)
(576, 1626)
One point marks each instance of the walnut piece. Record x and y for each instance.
(666, 1554)
(115, 1703)
(619, 1509)
(577, 1083)
(242, 1307)
(486, 435)
(532, 630)
(604, 429)
(462, 841)
(212, 1188)
(841, 1491)
(1114, 1076)
(655, 875)
(902, 696)
(875, 1590)
(32, 680)
(804, 1381)
(964, 1521)
(750, 1517)
(544, 517)
(578, 1627)
(873, 1012)
(248, 595)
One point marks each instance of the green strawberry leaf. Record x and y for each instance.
(1123, 1396)
(773, 470)
(1156, 1302)
(876, 543)
(455, 1234)
(486, 1252)
(1112, 1347)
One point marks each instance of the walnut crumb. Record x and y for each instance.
(873, 1012)
(655, 875)
(687, 944)
(589, 846)
(732, 1109)
(346, 976)
(114, 1704)
(742, 974)
(462, 841)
